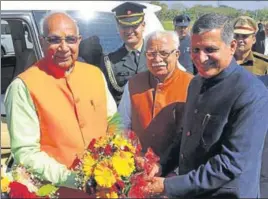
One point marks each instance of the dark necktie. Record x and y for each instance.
(135, 57)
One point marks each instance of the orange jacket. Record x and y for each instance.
(71, 110)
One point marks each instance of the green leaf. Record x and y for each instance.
(46, 190)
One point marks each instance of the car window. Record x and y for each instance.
(5, 30)
(18, 56)
(100, 25)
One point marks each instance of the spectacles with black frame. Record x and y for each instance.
(57, 40)
(162, 54)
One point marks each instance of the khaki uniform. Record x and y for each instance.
(256, 63)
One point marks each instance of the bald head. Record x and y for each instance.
(55, 19)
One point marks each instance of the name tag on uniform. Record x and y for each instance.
(123, 73)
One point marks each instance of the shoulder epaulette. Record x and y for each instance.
(260, 56)
(118, 54)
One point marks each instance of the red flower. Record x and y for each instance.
(126, 148)
(138, 179)
(95, 156)
(136, 192)
(91, 145)
(76, 162)
(120, 184)
(138, 148)
(132, 136)
(150, 156)
(18, 190)
(137, 189)
(108, 150)
(147, 168)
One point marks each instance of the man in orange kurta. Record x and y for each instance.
(57, 106)
(153, 102)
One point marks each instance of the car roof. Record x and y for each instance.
(103, 6)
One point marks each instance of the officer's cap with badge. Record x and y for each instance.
(129, 14)
(181, 20)
(245, 25)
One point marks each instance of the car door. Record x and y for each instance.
(11, 64)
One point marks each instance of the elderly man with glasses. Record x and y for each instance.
(58, 105)
(153, 101)
(245, 29)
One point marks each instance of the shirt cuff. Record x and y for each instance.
(70, 181)
(178, 186)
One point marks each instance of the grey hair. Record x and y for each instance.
(208, 22)
(42, 23)
(160, 33)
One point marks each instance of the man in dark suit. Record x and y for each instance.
(225, 121)
(130, 59)
(182, 27)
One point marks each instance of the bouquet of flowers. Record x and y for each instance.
(21, 183)
(109, 167)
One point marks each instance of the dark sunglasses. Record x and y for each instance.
(57, 39)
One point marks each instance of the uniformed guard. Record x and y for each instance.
(129, 59)
(245, 29)
(182, 26)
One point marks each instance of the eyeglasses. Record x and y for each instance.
(162, 54)
(242, 36)
(57, 39)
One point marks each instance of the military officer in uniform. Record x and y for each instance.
(181, 25)
(130, 58)
(245, 29)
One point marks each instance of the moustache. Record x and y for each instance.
(209, 64)
(155, 65)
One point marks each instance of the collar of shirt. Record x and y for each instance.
(249, 60)
(54, 71)
(130, 50)
(154, 81)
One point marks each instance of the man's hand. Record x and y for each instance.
(156, 171)
(156, 168)
(155, 186)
